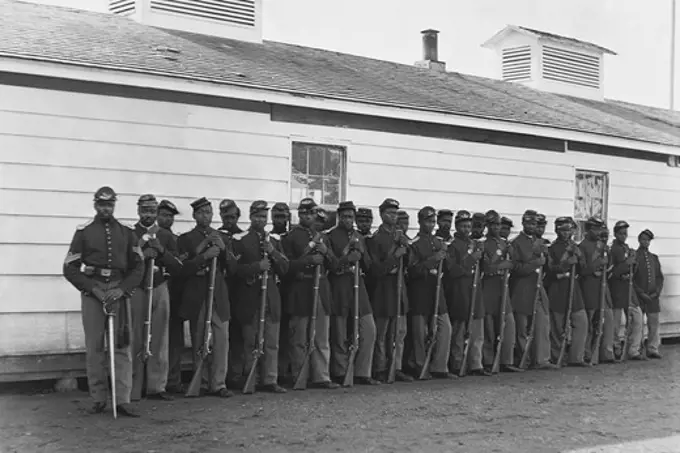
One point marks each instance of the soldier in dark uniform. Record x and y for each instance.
(230, 214)
(495, 263)
(444, 221)
(648, 285)
(386, 247)
(621, 260)
(364, 220)
(528, 256)
(403, 220)
(348, 245)
(258, 252)
(162, 248)
(426, 253)
(477, 231)
(464, 253)
(280, 222)
(562, 254)
(166, 218)
(201, 245)
(506, 227)
(595, 263)
(307, 248)
(113, 266)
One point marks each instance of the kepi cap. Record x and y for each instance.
(401, 214)
(307, 204)
(507, 221)
(478, 217)
(280, 207)
(462, 216)
(258, 206)
(147, 199)
(198, 204)
(105, 194)
(321, 213)
(346, 206)
(530, 216)
(227, 204)
(541, 220)
(594, 222)
(364, 213)
(387, 204)
(444, 213)
(492, 217)
(647, 233)
(168, 206)
(620, 225)
(563, 224)
(426, 212)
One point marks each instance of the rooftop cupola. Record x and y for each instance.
(550, 62)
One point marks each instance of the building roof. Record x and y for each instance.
(75, 37)
(549, 36)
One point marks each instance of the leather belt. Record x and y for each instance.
(103, 272)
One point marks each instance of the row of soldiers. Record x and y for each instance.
(345, 305)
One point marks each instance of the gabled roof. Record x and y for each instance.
(544, 35)
(74, 37)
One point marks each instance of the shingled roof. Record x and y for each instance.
(75, 37)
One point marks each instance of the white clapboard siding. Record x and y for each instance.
(37, 293)
(40, 333)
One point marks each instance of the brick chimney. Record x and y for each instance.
(430, 57)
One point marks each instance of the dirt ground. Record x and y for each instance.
(537, 411)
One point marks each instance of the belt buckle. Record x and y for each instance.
(433, 271)
(105, 272)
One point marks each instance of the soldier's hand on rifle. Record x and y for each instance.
(316, 259)
(268, 247)
(150, 253)
(505, 265)
(99, 293)
(572, 260)
(402, 240)
(113, 294)
(476, 255)
(265, 265)
(156, 245)
(646, 297)
(631, 260)
(440, 255)
(353, 256)
(211, 253)
(401, 251)
(216, 240)
(321, 248)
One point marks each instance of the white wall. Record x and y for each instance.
(57, 148)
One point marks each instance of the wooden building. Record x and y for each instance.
(183, 99)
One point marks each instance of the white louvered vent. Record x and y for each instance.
(517, 63)
(238, 12)
(122, 7)
(572, 67)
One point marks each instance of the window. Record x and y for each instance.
(590, 198)
(318, 172)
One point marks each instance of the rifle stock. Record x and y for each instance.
(433, 328)
(496, 366)
(303, 376)
(471, 317)
(354, 347)
(532, 330)
(567, 319)
(249, 386)
(392, 372)
(194, 388)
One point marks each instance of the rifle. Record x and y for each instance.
(595, 354)
(532, 329)
(110, 314)
(392, 372)
(258, 352)
(471, 319)
(567, 319)
(205, 350)
(629, 323)
(354, 347)
(495, 368)
(303, 376)
(433, 328)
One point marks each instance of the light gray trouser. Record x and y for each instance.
(298, 330)
(440, 353)
(340, 346)
(215, 373)
(383, 346)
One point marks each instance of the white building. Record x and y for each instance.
(91, 98)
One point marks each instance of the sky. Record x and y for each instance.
(639, 31)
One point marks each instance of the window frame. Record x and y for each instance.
(343, 178)
(579, 233)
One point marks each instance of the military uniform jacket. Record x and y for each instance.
(383, 273)
(648, 280)
(196, 276)
(620, 273)
(300, 277)
(341, 275)
(461, 275)
(247, 286)
(167, 263)
(523, 250)
(422, 284)
(104, 245)
(558, 288)
(591, 283)
(496, 250)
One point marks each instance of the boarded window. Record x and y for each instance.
(318, 172)
(590, 198)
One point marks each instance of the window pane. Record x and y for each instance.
(315, 190)
(331, 193)
(299, 162)
(333, 162)
(316, 160)
(580, 228)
